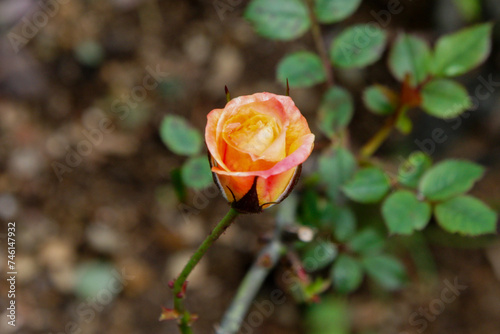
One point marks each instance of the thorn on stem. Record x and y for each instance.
(228, 95)
(182, 293)
(316, 299)
(265, 261)
(410, 96)
(302, 274)
(192, 318)
(287, 88)
(168, 314)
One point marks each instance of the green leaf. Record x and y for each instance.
(178, 184)
(470, 9)
(386, 270)
(346, 274)
(336, 166)
(329, 316)
(335, 111)
(358, 46)
(449, 178)
(331, 11)
(439, 236)
(318, 255)
(309, 210)
(368, 241)
(196, 173)
(466, 215)
(404, 123)
(404, 213)
(302, 69)
(89, 53)
(179, 136)
(445, 98)
(380, 100)
(278, 19)
(341, 220)
(369, 185)
(318, 286)
(93, 277)
(418, 247)
(410, 55)
(412, 169)
(462, 51)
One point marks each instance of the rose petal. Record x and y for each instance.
(297, 129)
(270, 189)
(240, 161)
(305, 146)
(241, 132)
(234, 187)
(233, 106)
(211, 136)
(277, 150)
(231, 162)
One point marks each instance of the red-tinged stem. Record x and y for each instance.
(410, 97)
(378, 139)
(185, 316)
(320, 45)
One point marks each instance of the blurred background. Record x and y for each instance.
(84, 174)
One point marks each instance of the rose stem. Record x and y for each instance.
(193, 261)
(320, 45)
(342, 137)
(409, 97)
(381, 135)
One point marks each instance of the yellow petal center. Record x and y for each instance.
(252, 135)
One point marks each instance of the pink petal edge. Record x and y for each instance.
(294, 159)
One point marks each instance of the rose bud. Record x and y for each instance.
(256, 146)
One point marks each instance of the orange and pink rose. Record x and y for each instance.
(257, 144)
